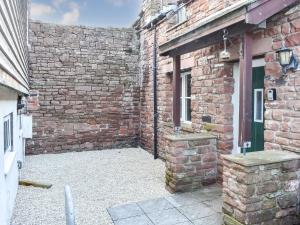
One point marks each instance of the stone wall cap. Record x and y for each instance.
(262, 157)
(189, 137)
(291, 149)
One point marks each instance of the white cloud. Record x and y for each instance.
(58, 3)
(72, 16)
(119, 2)
(38, 10)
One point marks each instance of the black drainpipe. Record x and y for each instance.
(155, 114)
(152, 25)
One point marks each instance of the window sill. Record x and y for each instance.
(9, 159)
(187, 126)
(184, 125)
(176, 25)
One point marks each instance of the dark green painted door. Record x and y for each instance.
(257, 143)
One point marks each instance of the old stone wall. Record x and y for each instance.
(191, 161)
(262, 188)
(213, 82)
(84, 88)
(282, 124)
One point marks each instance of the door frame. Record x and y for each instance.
(236, 101)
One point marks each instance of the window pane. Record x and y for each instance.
(181, 87)
(188, 85)
(181, 108)
(258, 105)
(188, 110)
(5, 136)
(8, 132)
(11, 130)
(181, 15)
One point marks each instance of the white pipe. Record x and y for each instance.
(69, 207)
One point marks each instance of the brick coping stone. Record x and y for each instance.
(189, 137)
(262, 157)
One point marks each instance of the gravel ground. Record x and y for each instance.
(98, 180)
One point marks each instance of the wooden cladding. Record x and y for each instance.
(13, 44)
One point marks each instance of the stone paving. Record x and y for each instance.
(202, 207)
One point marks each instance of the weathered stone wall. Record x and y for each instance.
(282, 125)
(262, 188)
(213, 82)
(84, 88)
(191, 161)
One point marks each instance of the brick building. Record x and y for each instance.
(212, 70)
(210, 86)
(15, 124)
(195, 82)
(107, 74)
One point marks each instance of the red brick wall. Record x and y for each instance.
(84, 84)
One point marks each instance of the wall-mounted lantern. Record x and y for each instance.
(225, 55)
(20, 103)
(287, 59)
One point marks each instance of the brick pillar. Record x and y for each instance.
(261, 188)
(191, 161)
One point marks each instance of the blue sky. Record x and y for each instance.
(97, 13)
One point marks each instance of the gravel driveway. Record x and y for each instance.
(98, 180)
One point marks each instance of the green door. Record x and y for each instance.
(257, 143)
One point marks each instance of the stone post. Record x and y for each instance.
(261, 188)
(191, 161)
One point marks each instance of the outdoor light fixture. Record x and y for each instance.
(287, 59)
(225, 54)
(20, 103)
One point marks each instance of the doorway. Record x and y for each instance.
(257, 142)
(258, 107)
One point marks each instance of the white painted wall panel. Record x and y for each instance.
(13, 74)
(9, 181)
(13, 42)
(27, 126)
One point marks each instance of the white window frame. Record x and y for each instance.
(255, 106)
(181, 14)
(8, 120)
(183, 97)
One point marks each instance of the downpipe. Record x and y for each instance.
(155, 113)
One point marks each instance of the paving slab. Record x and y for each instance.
(138, 220)
(187, 199)
(125, 211)
(167, 217)
(193, 212)
(155, 205)
(185, 223)
(202, 207)
(215, 219)
(215, 204)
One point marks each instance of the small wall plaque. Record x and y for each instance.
(206, 119)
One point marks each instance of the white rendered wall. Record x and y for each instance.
(9, 181)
